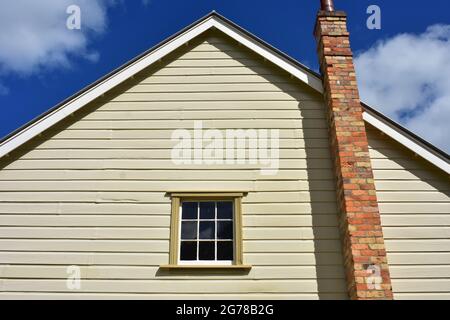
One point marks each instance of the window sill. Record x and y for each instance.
(205, 267)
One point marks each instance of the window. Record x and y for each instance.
(206, 230)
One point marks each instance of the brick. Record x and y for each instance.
(363, 242)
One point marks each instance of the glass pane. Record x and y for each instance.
(225, 210)
(189, 230)
(224, 230)
(225, 250)
(207, 230)
(206, 250)
(188, 250)
(207, 210)
(189, 210)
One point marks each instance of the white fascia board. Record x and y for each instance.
(120, 76)
(406, 141)
(86, 97)
(292, 69)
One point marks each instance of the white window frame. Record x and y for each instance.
(198, 240)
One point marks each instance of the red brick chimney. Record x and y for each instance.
(364, 251)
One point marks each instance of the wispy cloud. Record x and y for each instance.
(34, 35)
(407, 78)
(3, 90)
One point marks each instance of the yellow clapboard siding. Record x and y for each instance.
(422, 285)
(131, 164)
(84, 197)
(154, 197)
(420, 271)
(157, 154)
(439, 220)
(405, 175)
(412, 185)
(206, 115)
(419, 232)
(159, 296)
(418, 245)
(406, 163)
(220, 71)
(292, 208)
(206, 124)
(83, 233)
(419, 258)
(291, 233)
(412, 196)
(164, 185)
(156, 259)
(176, 287)
(211, 106)
(86, 220)
(213, 87)
(149, 273)
(214, 96)
(206, 79)
(423, 296)
(91, 191)
(279, 220)
(126, 144)
(255, 174)
(417, 208)
(158, 246)
(415, 214)
(87, 208)
(167, 134)
(215, 54)
(81, 245)
(84, 258)
(213, 63)
(115, 208)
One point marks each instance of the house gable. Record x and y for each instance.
(414, 202)
(92, 190)
(243, 37)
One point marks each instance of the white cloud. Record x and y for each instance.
(34, 35)
(407, 77)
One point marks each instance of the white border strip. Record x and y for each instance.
(310, 79)
(86, 97)
(93, 93)
(78, 102)
(406, 141)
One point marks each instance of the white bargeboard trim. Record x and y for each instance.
(406, 141)
(212, 21)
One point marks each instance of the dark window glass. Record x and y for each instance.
(207, 230)
(188, 250)
(189, 230)
(206, 250)
(207, 210)
(225, 250)
(189, 210)
(224, 230)
(225, 210)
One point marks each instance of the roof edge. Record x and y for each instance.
(397, 132)
(213, 19)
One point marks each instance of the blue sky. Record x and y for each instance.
(41, 62)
